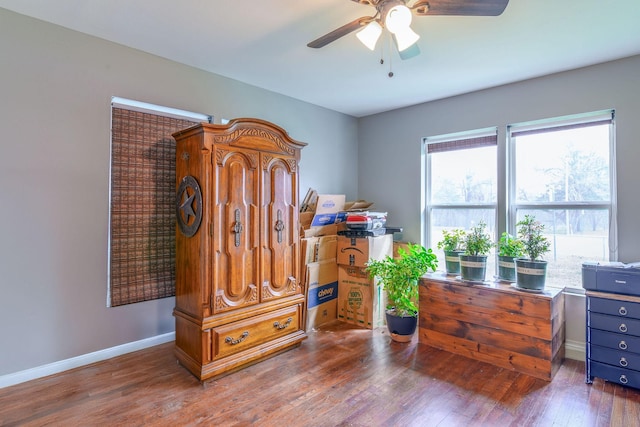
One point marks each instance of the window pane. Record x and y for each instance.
(570, 165)
(464, 176)
(447, 219)
(576, 235)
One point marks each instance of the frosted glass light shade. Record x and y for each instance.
(370, 34)
(398, 18)
(405, 38)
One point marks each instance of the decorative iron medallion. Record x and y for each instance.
(189, 206)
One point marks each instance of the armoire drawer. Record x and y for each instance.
(614, 340)
(614, 307)
(615, 357)
(616, 324)
(612, 373)
(248, 333)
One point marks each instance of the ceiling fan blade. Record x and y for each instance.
(460, 7)
(340, 32)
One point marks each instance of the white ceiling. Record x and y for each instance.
(263, 43)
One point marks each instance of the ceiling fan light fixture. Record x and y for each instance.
(370, 34)
(398, 18)
(405, 38)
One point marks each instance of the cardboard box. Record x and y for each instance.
(325, 230)
(357, 251)
(322, 294)
(357, 205)
(327, 209)
(361, 300)
(305, 218)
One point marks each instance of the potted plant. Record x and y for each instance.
(531, 271)
(452, 244)
(509, 248)
(473, 262)
(399, 277)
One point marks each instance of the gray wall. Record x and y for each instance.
(55, 91)
(389, 144)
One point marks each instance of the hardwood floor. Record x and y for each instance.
(338, 377)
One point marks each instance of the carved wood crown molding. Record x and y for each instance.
(292, 163)
(255, 132)
(222, 154)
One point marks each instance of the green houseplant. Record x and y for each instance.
(473, 262)
(399, 277)
(531, 271)
(452, 244)
(509, 248)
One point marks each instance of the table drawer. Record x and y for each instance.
(614, 307)
(613, 340)
(616, 324)
(248, 333)
(614, 374)
(615, 357)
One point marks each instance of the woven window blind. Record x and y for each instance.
(462, 144)
(142, 209)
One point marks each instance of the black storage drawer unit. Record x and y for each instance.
(613, 338)
(615, 324)
(614, 307)
(614, 374)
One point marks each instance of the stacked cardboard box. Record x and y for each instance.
(322, 216)
(320, 276)
(361, 300)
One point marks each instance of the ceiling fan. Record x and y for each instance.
(396, 16)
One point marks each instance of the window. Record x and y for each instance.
(461, 176)
(562, 173)
(559, 170)
(142, 200)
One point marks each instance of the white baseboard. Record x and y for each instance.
(85, 359)
(575, 350)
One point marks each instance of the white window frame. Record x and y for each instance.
(506, 207)
(428, 203)
(549, 124)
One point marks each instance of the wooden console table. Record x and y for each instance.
(495, 323)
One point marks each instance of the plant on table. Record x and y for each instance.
(477, 241)
(452, 240)
(399, 277)
(535, 243)
(510, 246)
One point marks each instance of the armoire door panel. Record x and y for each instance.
(279, 249)
(236, 231)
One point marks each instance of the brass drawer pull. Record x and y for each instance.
(277, 324)
(231, 341)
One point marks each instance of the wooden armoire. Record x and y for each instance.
(238, 294)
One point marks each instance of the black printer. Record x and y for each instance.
(614, 277)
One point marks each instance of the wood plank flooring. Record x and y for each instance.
(339, 376)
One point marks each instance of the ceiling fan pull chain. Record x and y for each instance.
(390, 57)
